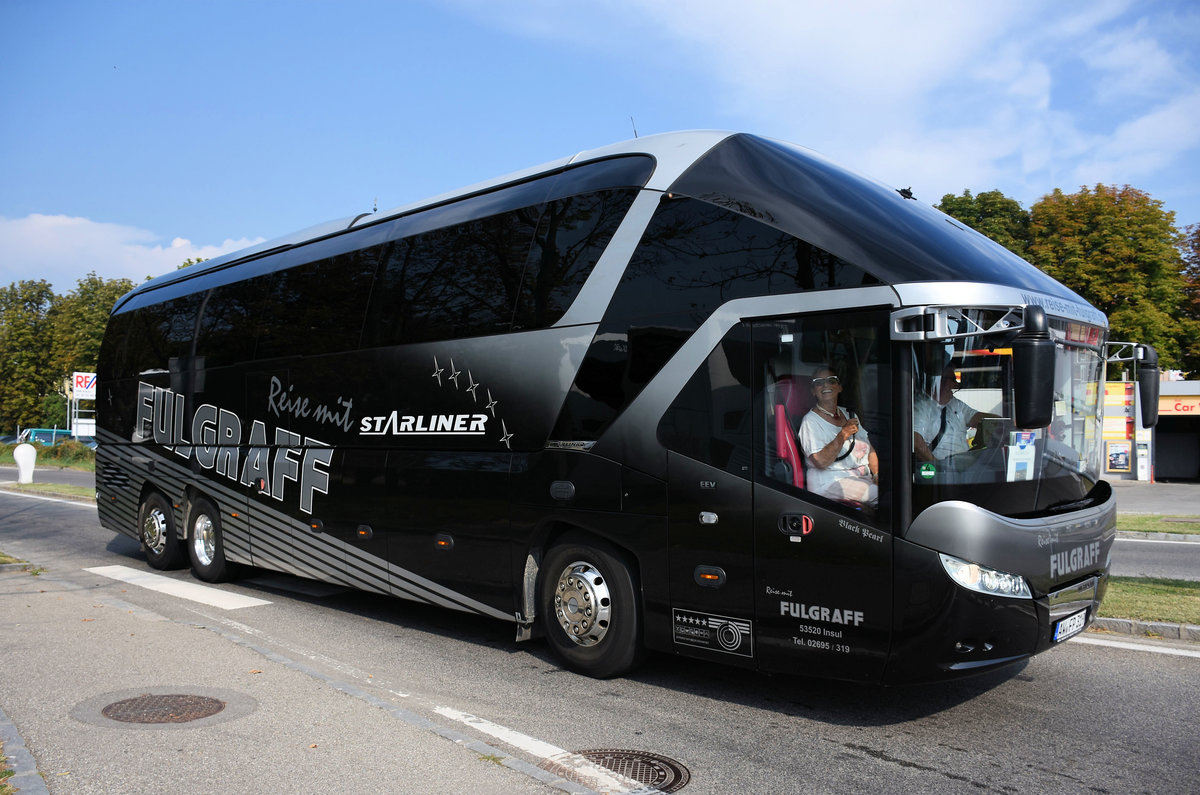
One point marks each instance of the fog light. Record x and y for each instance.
(984, 580)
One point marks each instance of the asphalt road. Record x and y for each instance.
(337, 691)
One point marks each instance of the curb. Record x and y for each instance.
(20, 565)
(25, 777)
(1152, 629)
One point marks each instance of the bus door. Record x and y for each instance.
(707, 431)
(822, 547)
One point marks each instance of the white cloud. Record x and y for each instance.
(1146, 144)
(62, 249)
(1023, 96)
(1133, 64)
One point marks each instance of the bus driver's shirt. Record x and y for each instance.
(927, 419)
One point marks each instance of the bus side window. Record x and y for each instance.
(160, 333)
(317, 307)
(571, 235)
(229, 324)
(710, 419)
(457, 281)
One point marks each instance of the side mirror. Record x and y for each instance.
(1033, 371)
(1147, 380)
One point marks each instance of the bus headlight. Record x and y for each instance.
(985, 580)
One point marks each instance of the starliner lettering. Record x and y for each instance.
(214, 438)
(397, 424)
(1073, 560)
(819, 613)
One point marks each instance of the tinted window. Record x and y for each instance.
(693, 257)
(571, 236)
(318, 307)
(799, 417)
(460, 281)
(158, 333)
(112, 363)
(897, 239)
(696, 256)
(229, 323)
(710, 418)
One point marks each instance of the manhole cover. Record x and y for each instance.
(653, 770)
(149, 708)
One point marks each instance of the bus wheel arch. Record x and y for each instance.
(590, 605)
(205, 545)
(157, 533)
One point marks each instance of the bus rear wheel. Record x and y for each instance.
(590, 609)
(205, 546)
(156, 531)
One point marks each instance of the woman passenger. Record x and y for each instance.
(841, 464)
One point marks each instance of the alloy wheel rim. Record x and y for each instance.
(583, 603)
(204, 539)
(154, 531)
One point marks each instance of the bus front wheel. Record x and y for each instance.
(156, 530)
(205, 546)
(590, 609)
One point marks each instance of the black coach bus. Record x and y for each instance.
(701, 393)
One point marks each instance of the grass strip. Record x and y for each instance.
(1153, 523)
(1152, 599)
(64, 489)
(6, 772)
(69, 454)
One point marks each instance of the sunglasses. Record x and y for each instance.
(832, 380)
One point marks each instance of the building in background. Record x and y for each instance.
(1176, 453)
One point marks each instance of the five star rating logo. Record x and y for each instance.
(723, 634)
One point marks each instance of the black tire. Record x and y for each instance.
(156, 531)
(205, 547)
(590, 607)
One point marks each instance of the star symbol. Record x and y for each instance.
(473, 385)
(491, 406)
(506, 435)
(454, 374)
(437, 371)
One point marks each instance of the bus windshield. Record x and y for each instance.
(965, 445)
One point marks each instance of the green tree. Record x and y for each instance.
(26, 373)
(54, 411)
(78, 320)
(993, 214)
(1119, 249)
(1190, 306)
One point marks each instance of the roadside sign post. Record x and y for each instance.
(83, 387)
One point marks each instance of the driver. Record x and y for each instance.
(940, 424)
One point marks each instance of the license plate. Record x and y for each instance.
(1071, 625)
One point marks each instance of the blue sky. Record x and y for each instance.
(135, 135)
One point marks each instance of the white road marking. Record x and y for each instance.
(214, 597)
(1121, 644)
(590, 774)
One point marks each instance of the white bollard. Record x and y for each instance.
(25, 455)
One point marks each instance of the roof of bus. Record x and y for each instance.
(796, 189)
(673, 153)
